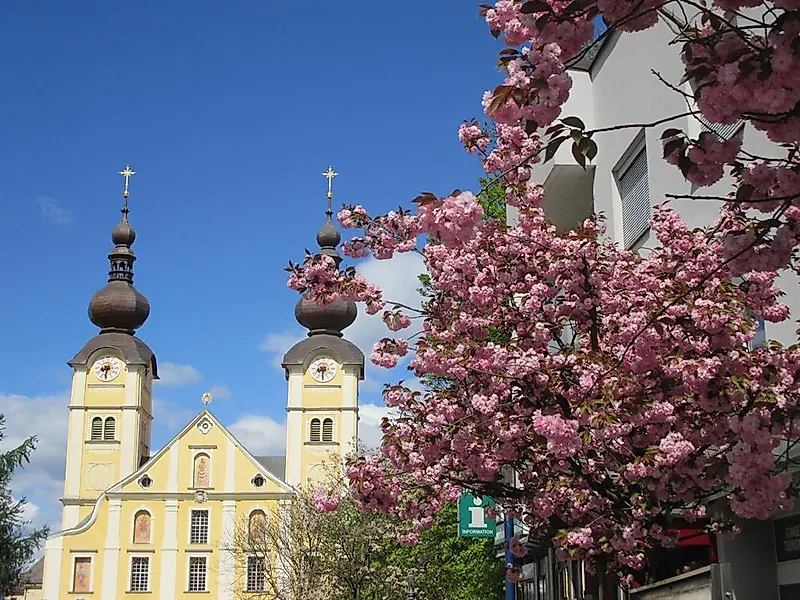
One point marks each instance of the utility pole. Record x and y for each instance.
(511, 587)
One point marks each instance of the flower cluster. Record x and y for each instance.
(621, 389)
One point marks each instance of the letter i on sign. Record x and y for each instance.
(472, 519)
(477, 513)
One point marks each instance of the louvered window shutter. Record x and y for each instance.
(315, 430)
(110, 429)
(635, 194)
(327, 430)
(97, 428)
(724, 132)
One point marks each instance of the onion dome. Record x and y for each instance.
(119, 306)
(332, 318)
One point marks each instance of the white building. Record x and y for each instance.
(627, 178)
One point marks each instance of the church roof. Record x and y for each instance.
(35, 575)
(346, 350)
(274, 464)
(133, 350)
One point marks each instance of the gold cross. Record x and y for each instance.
(330, 174)
(206, 398)
(127, 174)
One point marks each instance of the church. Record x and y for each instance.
(154, 524)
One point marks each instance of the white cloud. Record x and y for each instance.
(261, 435)
(220, 392)
(369, 424)
(277, 344)
(172, 416)
(30, 511)
(175, 375)
(398, 277)
(50, 210)
(42, 481)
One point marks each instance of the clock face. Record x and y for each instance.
(107, 368)
(323, 369)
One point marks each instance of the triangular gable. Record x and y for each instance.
(204, 413)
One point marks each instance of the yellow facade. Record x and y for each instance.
(139, 524)
(165, 529)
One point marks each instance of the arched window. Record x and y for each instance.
(315, 430)
(97, 428)
(202, 471)
(109, 429)
(257, 526)
(327, 430)
(142, 523)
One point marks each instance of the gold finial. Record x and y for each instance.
(330, 174)
(127, 174)
(206, 398)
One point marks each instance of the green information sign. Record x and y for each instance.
(472, 518)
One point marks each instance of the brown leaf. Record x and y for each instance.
(534, 6)
(574, 122)
(576, 152)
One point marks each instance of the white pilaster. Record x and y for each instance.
(284, 523)
(169, 549)
(227, 561)
(294, 428)
(52, 569)
(172, 482)
(77, 435)
(70, 516)
(294, 447)
(295, 388)
(111, 567)
(230, 466)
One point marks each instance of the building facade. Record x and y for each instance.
(627, 179)
(138, 523)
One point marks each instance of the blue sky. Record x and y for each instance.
(228, 112)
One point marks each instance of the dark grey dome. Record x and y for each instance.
(328, 236)
(331, 319)
(119, 307)
(123, 234)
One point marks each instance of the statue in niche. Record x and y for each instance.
(83, 567)
(141, 528)
(201, 471)
(258, 526)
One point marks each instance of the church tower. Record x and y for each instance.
(323, 372)
(110, 407)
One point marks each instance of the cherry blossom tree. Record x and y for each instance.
(627, 394)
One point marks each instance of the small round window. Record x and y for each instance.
(258, 481)
(145, 481)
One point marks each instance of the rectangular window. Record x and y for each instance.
(724, 132)
(198, 533)
(197, 574)
(140, 573)
(256, 574)
(634, 192)
(82, 574)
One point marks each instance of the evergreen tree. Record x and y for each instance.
(18, 542)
